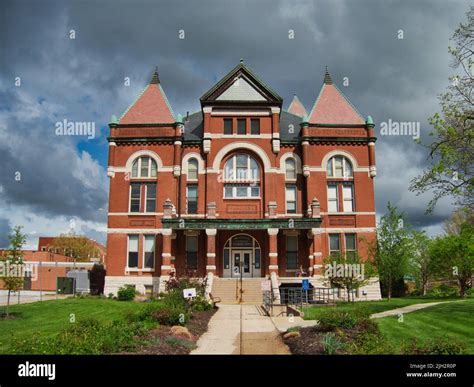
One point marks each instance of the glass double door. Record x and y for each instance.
(243, 262)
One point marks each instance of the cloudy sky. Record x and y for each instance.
(49, 183)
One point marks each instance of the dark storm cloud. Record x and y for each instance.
(389, 78)
(5, 230)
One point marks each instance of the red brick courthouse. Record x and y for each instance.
(241, 187)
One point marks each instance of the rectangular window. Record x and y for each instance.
(135, 197)
(149, 252)
(255, 126)
(151, 197)
(334, 245)
(241, 126)
(241, 191)
(348, 196)
(291, 199)
(350, 245)
(192, 199)
(333, 202)
(227, 126)
(192, 252)
(291, 252)
(132, 251)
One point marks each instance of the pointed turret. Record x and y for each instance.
(332, 107)
(151, 106)
(296, 107)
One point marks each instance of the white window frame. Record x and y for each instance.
(287, 161)
(144, 252)
(293, 188)
(190, 161)
(344, 200)
(235, 181)
(139, 171)
(128, 268)
(345, 243)
(333, 185)
(332, 165)
(329, 243)
(146, 197)
(139, 199)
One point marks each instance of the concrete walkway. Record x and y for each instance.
(408, 309)
(241, 330)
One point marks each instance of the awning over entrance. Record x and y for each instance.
(241, 224)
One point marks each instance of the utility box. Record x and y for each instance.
(65, 285)
(81, 280)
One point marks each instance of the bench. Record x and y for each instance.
(214, 300)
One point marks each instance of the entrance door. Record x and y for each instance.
(242, 260)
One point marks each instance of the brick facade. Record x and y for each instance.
(236, 155)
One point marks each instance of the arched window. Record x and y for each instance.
(192, 169)
(144, 166)
(339, 166)
(241, 177)
(290, 169)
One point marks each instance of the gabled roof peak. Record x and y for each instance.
(296, 107)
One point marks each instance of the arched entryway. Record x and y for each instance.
(242, 254)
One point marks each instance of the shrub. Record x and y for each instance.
(371, 343)
(126, 293)
(331, 319)
(175, 341)
(433, 347)
(86, 337)
(164, 313)
(200, 304)
(442, 291)
(331, 344)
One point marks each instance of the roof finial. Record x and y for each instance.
(155, 79)
(242, 60)
(327, 77)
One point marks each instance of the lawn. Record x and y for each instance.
(48, 317)
(312, 312)
(445, 321)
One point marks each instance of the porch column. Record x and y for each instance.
(211, 250)
(317, 253)
(166, 254)
(273, 250)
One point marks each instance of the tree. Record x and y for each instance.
(462, 215)
(13, 278)
(392, 248)
(451, 152)
(349, 272)
(77, 247)
(454, 256)
(421, 261)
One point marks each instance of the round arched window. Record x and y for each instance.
(339, 166)
(144, 166)
(241, 177)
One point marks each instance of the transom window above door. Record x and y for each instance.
(241, 177)
(144, 167)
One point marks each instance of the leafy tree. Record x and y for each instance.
(454, 256)
(77, 247)
(13, 256)
(421, 263)
(349, 272)
(392, 248)
(452, 151)
(460, 216)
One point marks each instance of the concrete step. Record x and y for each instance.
(228, 290)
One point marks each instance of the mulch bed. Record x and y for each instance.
(160, 341)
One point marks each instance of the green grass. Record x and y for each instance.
(49, 317)
(313, 312)
(454, 320)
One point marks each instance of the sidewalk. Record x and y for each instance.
(408, 309)
(240, 330)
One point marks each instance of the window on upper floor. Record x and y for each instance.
(144, 167)
(241, 126)
(191, 199)
(149, 193)
(339, 166)
(192, 169)
(341, 197)
(290, 169)
(241, 177)
(255, 126)
(228, 126)
(290, 199)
